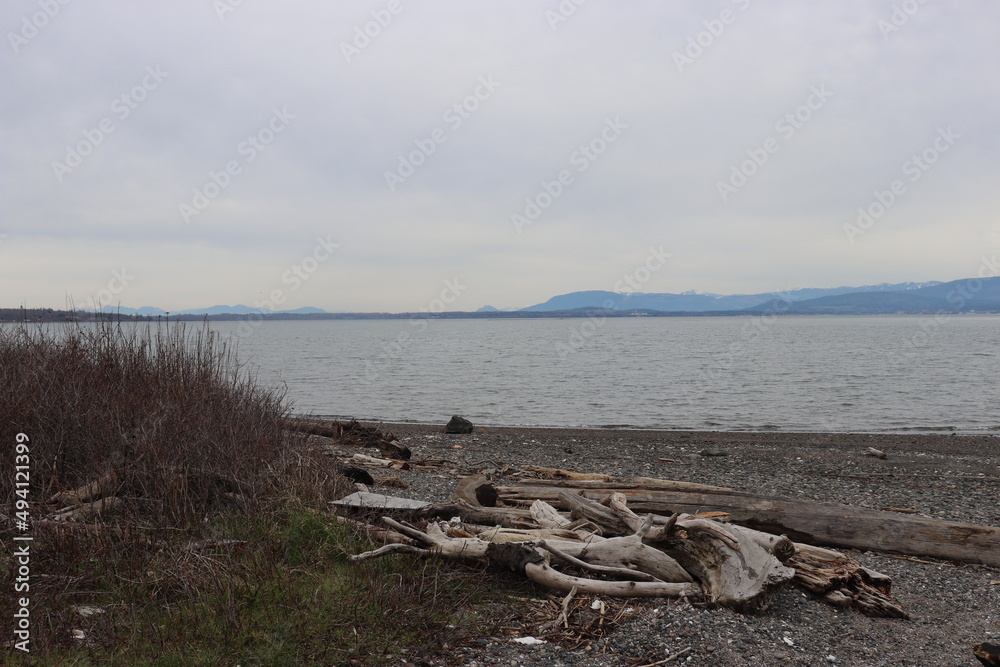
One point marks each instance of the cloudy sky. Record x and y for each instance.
(381, 155)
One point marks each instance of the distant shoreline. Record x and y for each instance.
(46, 315)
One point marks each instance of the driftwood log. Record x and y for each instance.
(806, 521)
(351, 433)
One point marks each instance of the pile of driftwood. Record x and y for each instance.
(653, 538)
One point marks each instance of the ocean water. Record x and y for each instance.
(875, 373)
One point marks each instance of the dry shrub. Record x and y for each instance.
(184, 424)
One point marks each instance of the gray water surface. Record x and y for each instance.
(885, 373)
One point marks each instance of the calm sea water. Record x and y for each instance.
(719, 373)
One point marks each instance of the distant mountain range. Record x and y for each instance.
(955, 296)
(238, 309)
(972, 294)
(700, 302)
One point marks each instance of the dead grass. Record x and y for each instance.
(221, 551)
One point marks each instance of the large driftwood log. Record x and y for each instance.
(827, 524)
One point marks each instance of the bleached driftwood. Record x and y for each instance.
(526, 558)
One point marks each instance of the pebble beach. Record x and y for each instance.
(951, 477)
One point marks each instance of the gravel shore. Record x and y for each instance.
(942, 476)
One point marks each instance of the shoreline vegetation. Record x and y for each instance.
(219, 547)
(211, 541)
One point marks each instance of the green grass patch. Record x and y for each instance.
(285, 593)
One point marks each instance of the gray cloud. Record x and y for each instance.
(205, 127)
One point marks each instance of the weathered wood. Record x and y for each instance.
(546, 516)
(394, 450)
(477, 490)
(351, 433)
(86, 510)
(877, 453)
(523, 558)
(327, 429)
(582, 508)
(733, 569)
(988, 654)
(360, 499)
(508, 517)
(370, 461)
(542, 574)
(637, 483)
(383, 535)
(105, 485)
(807, 521)
(558, 473)
(841, 580)
(674, 485)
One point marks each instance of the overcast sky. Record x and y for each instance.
(380, 155)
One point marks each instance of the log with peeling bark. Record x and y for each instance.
(842, 581)
(559, 473)
(812, 522)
